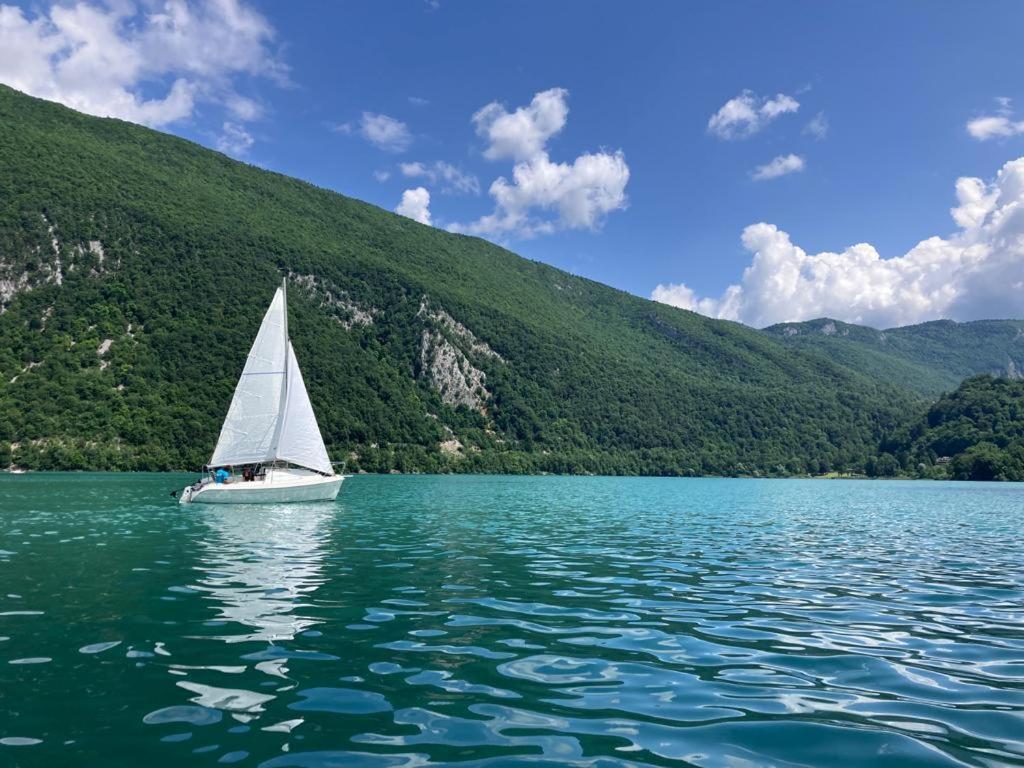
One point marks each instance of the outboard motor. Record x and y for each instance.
(190, 490)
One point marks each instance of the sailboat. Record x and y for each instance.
(270, 430)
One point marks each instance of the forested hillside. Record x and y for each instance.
(135, 268)
(928, 359)
(973, 433)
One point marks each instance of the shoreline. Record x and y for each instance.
(395, 473)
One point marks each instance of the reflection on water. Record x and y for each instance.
(492, 622)
(259, 565)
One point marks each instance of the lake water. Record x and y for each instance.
(499, 621)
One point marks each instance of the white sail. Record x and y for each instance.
(250, 428)
(300, 441)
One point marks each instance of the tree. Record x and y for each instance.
(983, 461)
(887, 466)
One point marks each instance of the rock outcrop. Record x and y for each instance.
(447, 369)
(441, 318)
(336, 301)
(51, 261)
(450, 355)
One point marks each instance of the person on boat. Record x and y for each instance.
(247, 474)
(220, 476)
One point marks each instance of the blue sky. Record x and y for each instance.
(867, 105)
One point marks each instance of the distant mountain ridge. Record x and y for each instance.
(928, 358)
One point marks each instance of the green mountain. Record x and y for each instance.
(973, 433)
(928, 359)
(135, 268)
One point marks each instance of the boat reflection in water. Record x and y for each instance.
(261, 564)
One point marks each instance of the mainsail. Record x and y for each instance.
(270, 417)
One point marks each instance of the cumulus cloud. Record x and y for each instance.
(382, 176)
(977, 272)
(746, 114)
(681, 295)
(415, 204)
(385, 132)
(234, 139)
(780, 166)
(522, 135)
(97, 58)
(451, 178)
(543, 195)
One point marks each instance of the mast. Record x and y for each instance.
(283, 409)
(284, 292)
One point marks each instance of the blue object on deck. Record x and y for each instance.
(220, 476)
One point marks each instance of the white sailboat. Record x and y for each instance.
(270, 429)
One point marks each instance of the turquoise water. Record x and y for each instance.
(507, 620)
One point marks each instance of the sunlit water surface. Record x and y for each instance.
(504, 621)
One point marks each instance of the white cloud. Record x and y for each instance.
(680, 295)
(382, 176)
(818, 127)
(415, 204)
(544, 196)
(522, 134)
(244, 108)
(418, 101)
(748, 113)
(97, 58)
(998, 126)
(976, 200)
(234, 139)
(977, 272)
(453, 179)
(385, 132)
(780, 166)
(414, 169)
(994, 126)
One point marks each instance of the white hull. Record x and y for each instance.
(280, 486)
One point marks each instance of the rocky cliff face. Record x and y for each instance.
(447, 369)
(334, 300)
(50, 260)
(450, 355)
(447, 353)
(439, 317)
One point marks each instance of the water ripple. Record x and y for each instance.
(517, 621)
